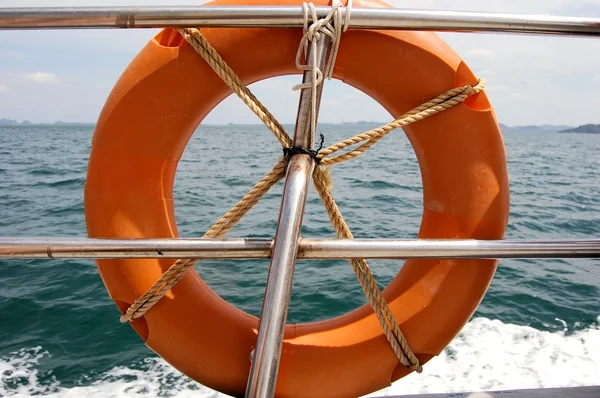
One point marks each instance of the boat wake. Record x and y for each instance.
(486, 355)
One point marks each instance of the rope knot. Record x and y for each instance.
(416, 367)
(313, 31)
(289, 152)
(478, 87)
(332, 26)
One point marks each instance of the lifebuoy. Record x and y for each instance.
(140, 136)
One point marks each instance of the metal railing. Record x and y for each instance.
(287, 245)
(290, 16)
(324, 249)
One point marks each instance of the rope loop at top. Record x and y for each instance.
(331, 25)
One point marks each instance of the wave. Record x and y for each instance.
(79, 182)
(486, 355)
(490, 355)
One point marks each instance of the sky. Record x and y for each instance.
(67, 75)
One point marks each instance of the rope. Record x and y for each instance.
(311, 36)
(439, 104)
(321, 177)
(214, 60)
(218, 230)
(398, 342)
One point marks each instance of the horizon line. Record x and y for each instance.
(60, 122)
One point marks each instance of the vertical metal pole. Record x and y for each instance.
(265, 363)
(303, 138)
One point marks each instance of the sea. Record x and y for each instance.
(60, 336)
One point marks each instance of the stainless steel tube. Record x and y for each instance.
(303, 137)
(448, 248)
(267, 354)
(288, 16)
(265, 364)
(308, 248)
(134, 248)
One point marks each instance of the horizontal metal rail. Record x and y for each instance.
(291, 16)
(308, 249)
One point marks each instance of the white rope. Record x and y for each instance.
(331, 25)
(340, 26)
(347, 17)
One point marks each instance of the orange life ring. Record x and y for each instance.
(141, 134)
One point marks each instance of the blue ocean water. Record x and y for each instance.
(538, 325)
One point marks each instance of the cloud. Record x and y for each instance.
(485, 73)
(3, 88)
(532, 79)
(517, 96)
(548, 7)
(480, 53)
(43, 78)
(11, 54)
(352, 97)
(498, 87)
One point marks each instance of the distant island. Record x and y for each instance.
(586, 128)
(551, 128)
(10, 122)
(366, 125)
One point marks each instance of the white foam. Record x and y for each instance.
(486, 355)
(491, 355)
